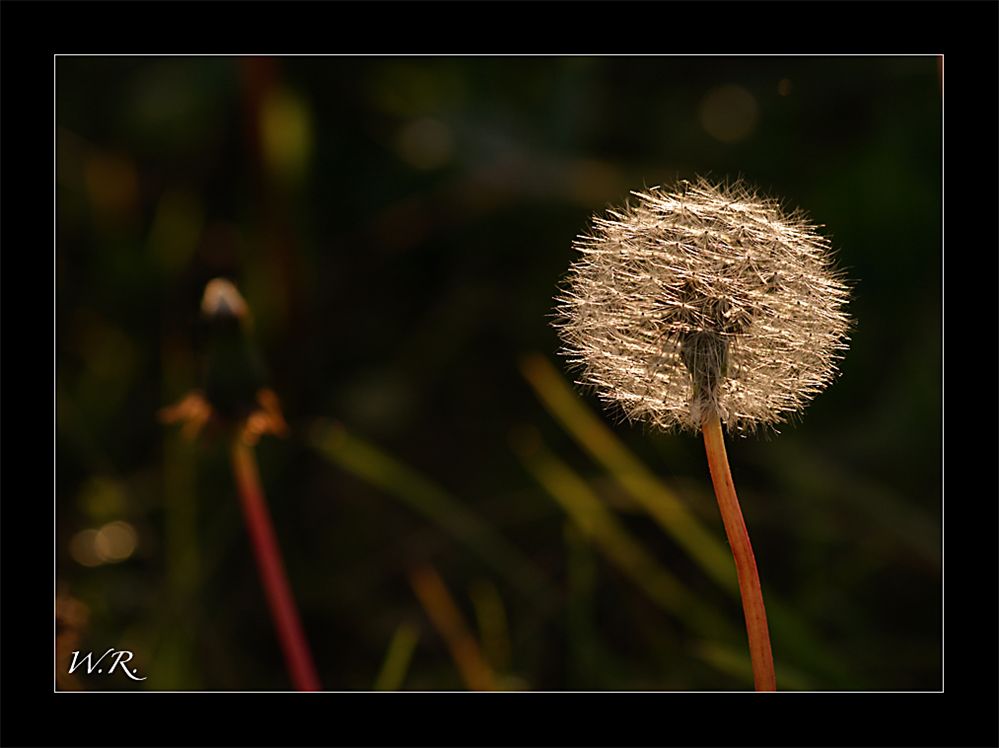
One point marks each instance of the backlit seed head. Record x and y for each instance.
(705, 298)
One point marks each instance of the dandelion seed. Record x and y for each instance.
(705, 305)
(704, 299)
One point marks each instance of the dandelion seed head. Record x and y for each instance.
(704, 299)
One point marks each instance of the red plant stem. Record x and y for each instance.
(742, 550)
(297, 656)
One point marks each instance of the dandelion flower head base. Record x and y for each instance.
(704, 299)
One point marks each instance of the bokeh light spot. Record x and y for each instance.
(286, 127)
(81, 548)
(176, 230)
(426, 143)
(114, 542)
(728, 113)
(101, 498)
(112, 182)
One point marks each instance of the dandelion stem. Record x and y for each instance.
(297, 656)
(742, 550)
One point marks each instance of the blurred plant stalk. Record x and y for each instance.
(366, 460)
(236, 402)
(450, 623)
(605, 531)
(640, 482)
(271, 567)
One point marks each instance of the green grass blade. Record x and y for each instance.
(380, 469)
(601, 443)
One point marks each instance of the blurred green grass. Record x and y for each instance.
(398, 226)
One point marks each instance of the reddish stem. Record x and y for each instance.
(271, 567)
(742, 550)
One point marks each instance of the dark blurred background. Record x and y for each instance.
(398, 227)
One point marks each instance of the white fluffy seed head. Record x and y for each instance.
(705, 298)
